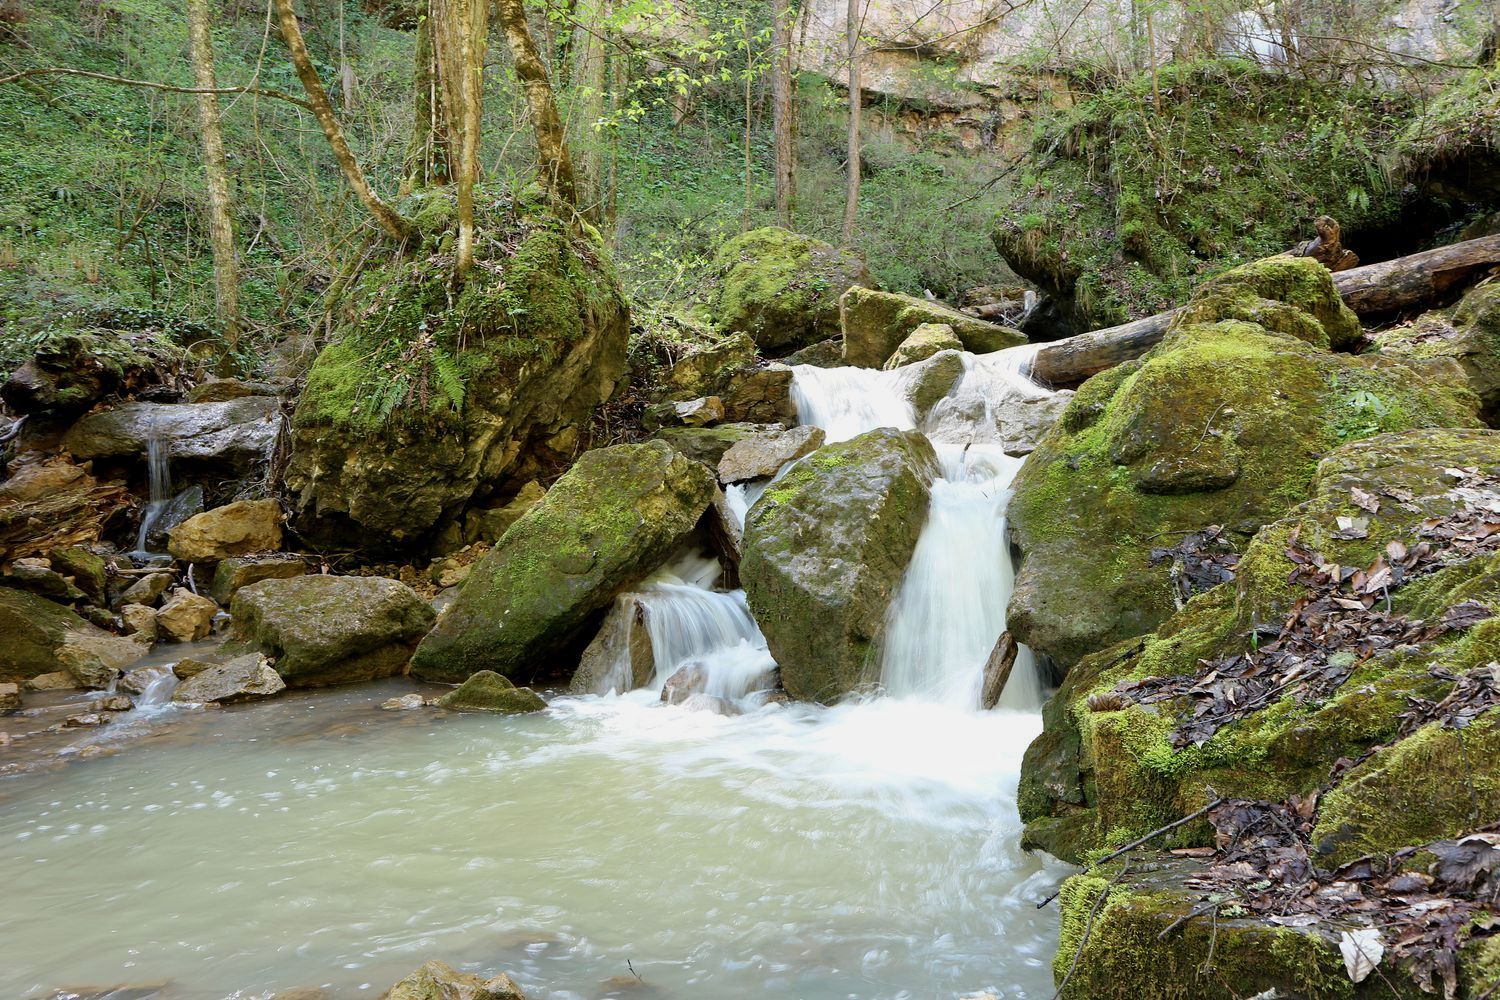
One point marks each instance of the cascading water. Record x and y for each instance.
(159, 481)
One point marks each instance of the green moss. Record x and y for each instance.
(782, 288)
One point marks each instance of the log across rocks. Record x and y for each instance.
(1393, 286)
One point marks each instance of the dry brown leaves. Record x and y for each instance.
(1200, 562)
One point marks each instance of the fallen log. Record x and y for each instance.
(1421, 280)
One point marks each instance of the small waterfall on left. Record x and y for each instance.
(159, 481)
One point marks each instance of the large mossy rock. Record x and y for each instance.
(40, 637)
(612, 519)
(1469, 333)
(875, 324)
(1222, 423)
(428, 396)
(324, 630)
(783, 288)
(1109, 767)
(824, 551)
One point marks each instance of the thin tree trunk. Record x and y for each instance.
(589, 86)
(389, 219)
(749, 65)
(783, 116)
(551, 139)
(460, 29)
(427, 160)
(216, 171)
(851, 188)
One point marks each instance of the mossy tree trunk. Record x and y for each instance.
(783, 115)
(389, 219)
(588, 82)
(216, 172)
(460, 32)
(556, 164)
(851, 186)
(428, 158)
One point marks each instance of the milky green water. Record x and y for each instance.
(863, 851)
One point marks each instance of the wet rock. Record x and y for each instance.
(708, 444)
(148, 589)
(221, 390)
(439, 981)
(404, 703)
(244, 678)
(487, 691)
(186, 617)
(139, 619)
(84, 720)
(57, 680)
(235, 529)
(613, 518)
(543, 326)
(112, 703)
(620, 658)
(192, 666)
(331, 629)
(760, 395)
(688, 680)
(824, 354)
(764, 454)
(40, 637)
(725, 533)
(922, 343)
(782, 288)
(10, 696)
(188, 503)
(240, 432)
(491, 524)
(705, 371)
(875, 324)
(824, 550)
(928, 382)
(698, 701)
(240, 571)
(89, 571)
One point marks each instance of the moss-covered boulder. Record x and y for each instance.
(323, 630)
(39, 637)
(89, 356)
(487, 691)
(824, 551)
(875, 324)
(611, 520)
(782, 288)
(708, 444)
(1222, 423)
(1469, 333)
(240, 571)
(429, 395)
(1416, 613)
(439, 981)
(922, 343)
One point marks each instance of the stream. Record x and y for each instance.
(610, 846)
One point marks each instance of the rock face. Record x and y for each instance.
(609, 521)
(40, 637)
(491, 524)
(509, 378)
(332, 629)
(1221, 424)
(782, 288)
(487, 691)
(439, 981)
(240, 571)
(186, 617)
(876, 323)
(824, 551)
(239, 432)
(1469, 333)
(620, 658)
(243, 678)
(765, 453)
(235, 529)
(922, 343)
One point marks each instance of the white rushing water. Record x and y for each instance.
(869, 851)
(159, 483)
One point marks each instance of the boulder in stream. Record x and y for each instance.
(922, 343)
(620, 658)
(243, 678)
(612, 519)
(876, 323)
(39, 637)
(824, 551)
(764, 454)
(686, 681)
(439, 981)
(487, 691)
(185, 616)
(240, 571)
(235, 529)
(331, 629)
(148, 589)
(237, 433)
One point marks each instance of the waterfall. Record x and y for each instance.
(950, 608)
(159, 479)
(158, 686)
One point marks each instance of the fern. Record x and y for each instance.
(449, 379)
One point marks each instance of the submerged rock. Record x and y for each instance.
(620, 658)
(613, 518)
(487, 691)
(39, 637)
(422, 400)
(243, 678)
(782, 288)
(1222, 423)
(331, 629)
(235, 529)
(439, 981)
(824, 550)
(239, 432)
(764, 454)
(876, 323)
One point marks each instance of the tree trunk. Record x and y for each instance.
(427, 158)
(589, 87)
(460, 30)
(389, 219)
(216, 171)
(551, 140)
(1422, 280)
(783, 115)
(851, 187)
